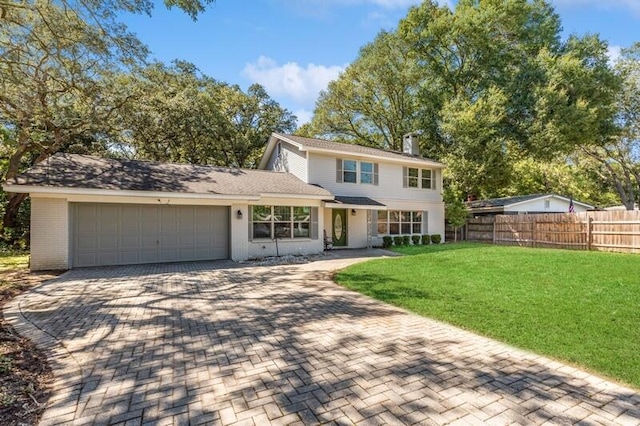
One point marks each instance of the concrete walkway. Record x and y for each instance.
(221, 343)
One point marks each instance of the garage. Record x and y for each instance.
(124, 234)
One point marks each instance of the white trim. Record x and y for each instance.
(296, 196)
(545, 197)
(330, 205)
(338, 152)
(28, 189)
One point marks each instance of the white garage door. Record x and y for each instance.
(123, 234)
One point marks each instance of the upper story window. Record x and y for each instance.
(418, 178)
(350, 171)
(366, 173)
(354, 171)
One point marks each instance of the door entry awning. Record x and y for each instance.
(362, 203)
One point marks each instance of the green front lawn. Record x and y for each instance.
(581, 307)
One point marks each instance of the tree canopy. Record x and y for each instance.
(486, 84)
(73, 78)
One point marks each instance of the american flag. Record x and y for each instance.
(571, 209)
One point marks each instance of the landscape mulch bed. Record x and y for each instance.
(25, 375)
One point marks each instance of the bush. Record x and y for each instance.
(398, 241)
(426, 239)
(415, 239)
(387, 241)
(406, 240)
(436, 238)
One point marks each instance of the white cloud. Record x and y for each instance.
(301, 84)
(613, 52)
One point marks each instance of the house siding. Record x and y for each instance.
(291, 160)
(322, 171)
(49, 233)
(556, 205)
(260, 248)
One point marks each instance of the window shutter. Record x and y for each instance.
(338, 170)
(374, 223)
(434, 173)
(314, 223)
(250, 223)
(425, 222)
(404, 177)
(375, 174)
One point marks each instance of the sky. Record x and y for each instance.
(295, 47)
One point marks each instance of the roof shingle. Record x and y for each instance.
(89, 172)
(354, 149)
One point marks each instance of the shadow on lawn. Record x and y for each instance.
(196, 343)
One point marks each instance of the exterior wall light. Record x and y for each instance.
(239, 214)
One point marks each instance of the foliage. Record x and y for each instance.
(415, 239)
(436, 238)
(387, 241)
(426, 239)
(55, 87)
(13, 260)
(374, 100)
(398, 241)
(580, 307)
(487, 84)
(406, 240)
(455, 209)
(187, 117)
(618, 161)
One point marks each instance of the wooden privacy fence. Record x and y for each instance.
(606, 231)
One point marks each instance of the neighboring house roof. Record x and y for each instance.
(518, 199)
(330, 147)
(75, 171)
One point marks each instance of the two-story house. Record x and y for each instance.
(91, 211)
(376, 192)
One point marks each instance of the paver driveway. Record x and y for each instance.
(224, 344)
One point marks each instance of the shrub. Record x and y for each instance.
(387, 241)
(426, 239)
(398, 241)
(406, 240)
(436, 238)
(415, 239)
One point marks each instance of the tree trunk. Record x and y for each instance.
(11, 210)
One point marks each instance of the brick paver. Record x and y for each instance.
(221, 343)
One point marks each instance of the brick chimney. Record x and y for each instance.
(470, 198)
(410, 144)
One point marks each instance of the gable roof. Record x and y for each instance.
(330, 147)
(75, 171)
(509, 201)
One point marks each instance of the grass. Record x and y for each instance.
(581, 307)
(12, 261)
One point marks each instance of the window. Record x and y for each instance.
(427, 179)
(383, 225)
(547, 204)
(366, 173)
(412, 178)
(350, 171)
(395, 222)
(418, 178)
(281, 222)
(354, 171)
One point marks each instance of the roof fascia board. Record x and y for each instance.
(295, 196)
(379, 158)
(332, 205)
(28, 189)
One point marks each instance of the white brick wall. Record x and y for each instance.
(239, 232)
(49, 233)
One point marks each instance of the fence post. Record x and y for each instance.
(589, 232)
(533, 231)
(494, 228)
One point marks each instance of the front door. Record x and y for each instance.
(339, 227)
